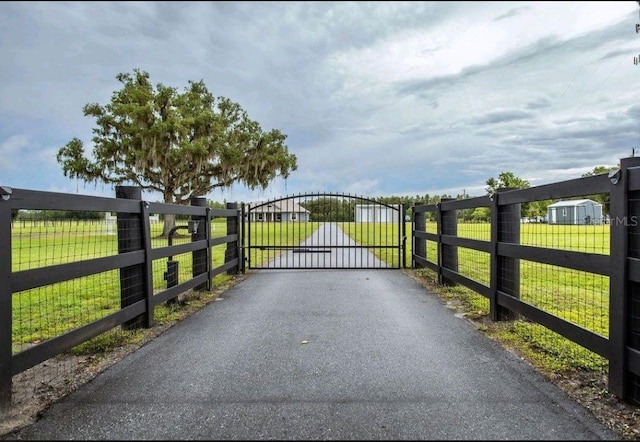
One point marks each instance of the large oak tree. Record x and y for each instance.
(181, 144)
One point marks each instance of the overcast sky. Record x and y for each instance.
(376, 98)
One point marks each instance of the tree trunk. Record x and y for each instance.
(169, 219)
(169, 223)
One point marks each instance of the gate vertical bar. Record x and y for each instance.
(306, 234)
(249, 236)
(330, 215)
(419, 244)
(132, 278)
(6, 338)
(404, 235)
(439, 239)
(199, 257)
(277, 229)
(238, 218)
(378, 224)
(231, 252)
(339, 217)
(340, 202)
(242, 243)
(360, 225)
(400, 221)
(449, 253)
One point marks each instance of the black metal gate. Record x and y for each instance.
(323, 231)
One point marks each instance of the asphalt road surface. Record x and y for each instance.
(320, 354)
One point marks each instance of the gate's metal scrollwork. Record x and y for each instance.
(323, 231)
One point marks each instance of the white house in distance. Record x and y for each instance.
(279, 211)
(375, 213)
(583, 211)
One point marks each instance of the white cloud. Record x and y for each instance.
(11, 150)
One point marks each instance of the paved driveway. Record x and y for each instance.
(329, 247)
(320, 354)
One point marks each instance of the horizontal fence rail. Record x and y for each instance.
(114, 270)
(511, 267)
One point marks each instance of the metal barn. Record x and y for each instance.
(583, 211)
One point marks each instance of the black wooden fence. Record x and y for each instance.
(621, 265)
(133, 260)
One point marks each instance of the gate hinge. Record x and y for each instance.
(5, 193)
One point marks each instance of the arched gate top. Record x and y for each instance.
(324, 194)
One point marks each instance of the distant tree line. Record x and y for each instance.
(55, 215)
(80, 215)
(505, 180)
(331, 209)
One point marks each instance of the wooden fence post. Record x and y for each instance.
(131, 238)
(6, 338)
(448, 254)
(200, 258)
(624, 294)
(505, 271)
(231, 252)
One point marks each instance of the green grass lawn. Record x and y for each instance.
(380, 234)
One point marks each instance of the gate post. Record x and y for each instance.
(419, 244)
(505, 271)
(403, 236)
(200, 258)
(243, 215)
(6, 339)
(448, 225)
(130, 238)
(231, 252)
(624, 293)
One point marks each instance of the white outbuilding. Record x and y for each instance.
(376, 213)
